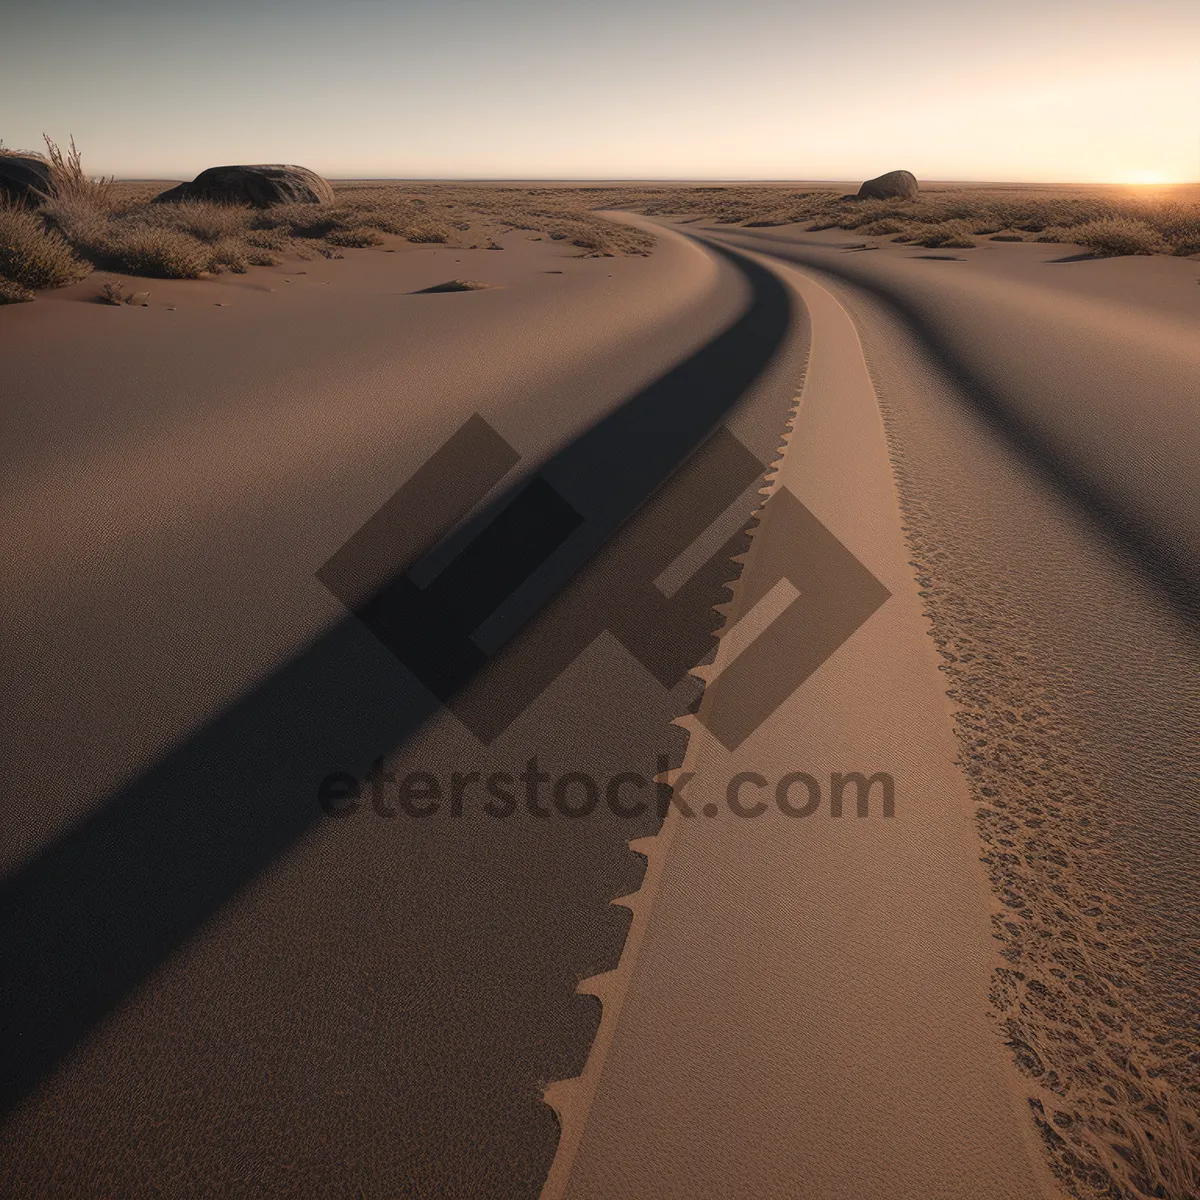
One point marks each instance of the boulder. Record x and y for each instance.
(895, 185)
(261, 186)
(24, 176)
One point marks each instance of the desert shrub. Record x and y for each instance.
(360, 236)
(1008, 237)
(268, 239)
(857, 213)
(958, 238)
(1180, 227)
(203, 220)
(113, 292)
(625, 240)
(262, 258)
(156, 251)
(880, 228)
(427, 231)
(1118, 235)
(776, 217)
(950, 234)
(298, 220)
(228, 254)
(32, 256)
(78, 218)
(68, 180)
(14, 293)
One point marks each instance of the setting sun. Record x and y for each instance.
(1148, 177)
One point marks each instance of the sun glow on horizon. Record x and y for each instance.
(701, 92)
(1148, 178)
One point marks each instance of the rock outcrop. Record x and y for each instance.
(24, 177)
(895, 185)
(261, 186)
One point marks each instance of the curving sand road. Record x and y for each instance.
(811, 1006)
(216, 986)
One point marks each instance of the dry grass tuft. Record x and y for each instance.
(14, 293)
(269, 239)
(68, 180)
(205, 221)
(948, 235)
(32, 256)
(155, 251)
(1117, 235)
(228, 254)
(427, 232)
(362, 235)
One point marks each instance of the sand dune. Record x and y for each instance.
(201, 963)
(1043, 437)
(805, 1008)
(261, 999)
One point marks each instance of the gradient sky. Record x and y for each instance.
(1061, 90)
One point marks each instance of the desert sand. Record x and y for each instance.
(1042, 425)
(216, 985)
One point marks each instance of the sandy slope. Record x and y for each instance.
(263, 1000)
(805, 1011)
(1042, 425)
(210, 984)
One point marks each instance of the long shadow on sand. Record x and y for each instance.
(1162, 564)
(88, 920)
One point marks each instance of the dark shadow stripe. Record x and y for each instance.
(90, 917)
(1174, 574)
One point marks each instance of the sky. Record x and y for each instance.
(1026, 90)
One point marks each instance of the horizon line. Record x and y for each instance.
(679, 179)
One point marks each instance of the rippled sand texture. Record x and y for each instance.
(1077, 686)
(1045, 436)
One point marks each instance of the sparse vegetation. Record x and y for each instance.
(14, 293)
(69, 181)
(1166, 222)
(1117, 235)
(33, 256)
(86, 222)
(363, 235)
(156, 252)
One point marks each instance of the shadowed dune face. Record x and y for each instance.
(1042, 428)
(377, 998)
